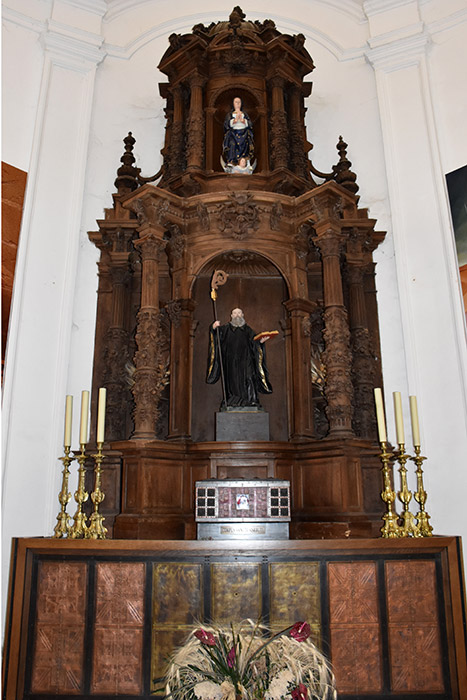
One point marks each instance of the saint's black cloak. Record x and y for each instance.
(244, 363)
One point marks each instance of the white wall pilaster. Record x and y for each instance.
(40, 322)
(434, 341)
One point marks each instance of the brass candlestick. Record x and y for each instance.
(409, 527)
(62, 528)
(420, 496)
(79, 527)
(390, 527)
(96, 529)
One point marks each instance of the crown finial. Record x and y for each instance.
(127, 174)
(344, 176)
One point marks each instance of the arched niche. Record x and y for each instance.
(219, 104)
(256, 286)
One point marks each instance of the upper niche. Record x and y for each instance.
(206, 70)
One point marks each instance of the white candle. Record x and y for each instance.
(399, 419)
(83, 428)
(101, 414)
(414, 419)
(68, 418)
(380, 415)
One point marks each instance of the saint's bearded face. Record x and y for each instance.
(237, 318)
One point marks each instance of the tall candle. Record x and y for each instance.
(83, 428)
(68, 419)
(380, 415)
(414, 420)
(101, 414)
(399, 419)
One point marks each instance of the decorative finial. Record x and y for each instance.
(343, 175)
(127, 174)
(236, 17)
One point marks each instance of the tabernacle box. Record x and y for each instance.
(242, 509)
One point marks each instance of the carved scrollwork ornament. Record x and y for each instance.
(302, 240)
(176, 241)
(116, 357)
(203, 216)
(238, 217)
(195, 140)
(174, 312)
(275, 216)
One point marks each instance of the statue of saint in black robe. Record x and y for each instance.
(244, 363)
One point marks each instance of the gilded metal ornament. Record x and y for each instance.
(409, 526)
(424, 527)
(390, 518)
(78, 529)
(96, 529)
(63, 527)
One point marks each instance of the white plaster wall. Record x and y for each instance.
(400, 144)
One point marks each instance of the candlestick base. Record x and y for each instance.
(420, 496)
(391, 527)
(63, 527)
(79, 527)
(96, 529)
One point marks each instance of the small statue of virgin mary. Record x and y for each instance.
(238, 137)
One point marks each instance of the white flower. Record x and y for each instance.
(207, 690)
(279, 685)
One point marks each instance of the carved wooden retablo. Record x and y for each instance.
(237, 192)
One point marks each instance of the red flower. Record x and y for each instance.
(300, 692)
(231, 658)
(206, 638)
(300, 631)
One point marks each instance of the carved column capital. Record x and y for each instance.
(300, 307)
(196, 80)
(277, 81)
(329, 243)
(150, 244)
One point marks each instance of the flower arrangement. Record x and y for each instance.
(224, 663)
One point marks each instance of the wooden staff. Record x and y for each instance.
(219, 277)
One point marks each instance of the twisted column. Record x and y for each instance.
(150, 374)
(298, 156)
(195, 125)
(116, 354)
(278, 125)
(364, 420)
(337, 355)
(177, 137)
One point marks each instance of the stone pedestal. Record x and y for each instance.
(242, 425)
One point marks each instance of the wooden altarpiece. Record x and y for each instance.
(298, 252)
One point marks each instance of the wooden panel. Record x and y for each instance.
(322, 484)
(404, 597)
(177, 605)
(355, 634)
(235, 591)
(177, 593)
(414, 643)
(60, 622)
(294, 591)
(119, 619)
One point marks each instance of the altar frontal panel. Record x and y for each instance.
(90, 620)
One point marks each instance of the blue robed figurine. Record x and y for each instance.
(238, 136)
